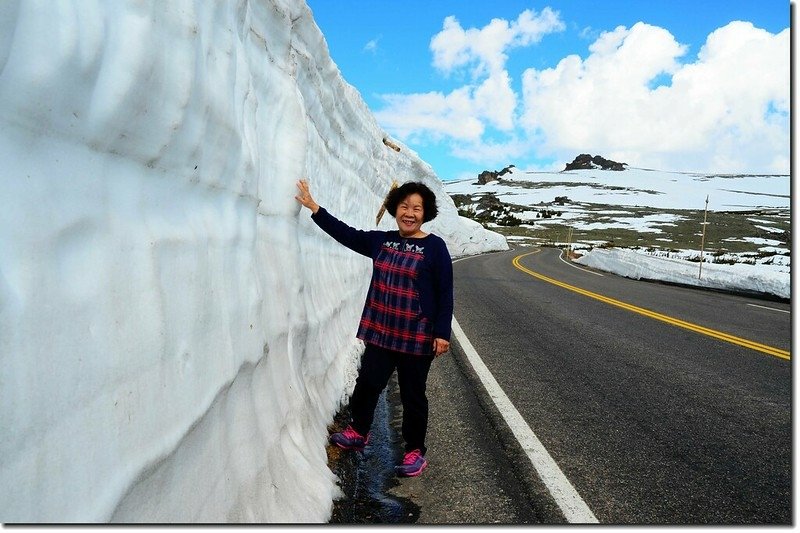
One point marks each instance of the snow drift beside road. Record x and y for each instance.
(737, 277)
(175, 334)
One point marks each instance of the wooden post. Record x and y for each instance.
(569, 243)
(382, 210)
(391, 145)
(703, 239)
(379, 216)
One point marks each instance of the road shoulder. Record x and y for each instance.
(469, 479)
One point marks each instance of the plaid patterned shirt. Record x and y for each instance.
(410, 298)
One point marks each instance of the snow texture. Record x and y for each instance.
(773, 280)
(175, 333)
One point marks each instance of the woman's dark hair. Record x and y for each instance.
(399, 194)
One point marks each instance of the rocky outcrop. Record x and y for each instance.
(492, 175)
(586, 161)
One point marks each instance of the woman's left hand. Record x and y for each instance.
(440, 346)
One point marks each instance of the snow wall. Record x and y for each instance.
(175, 334)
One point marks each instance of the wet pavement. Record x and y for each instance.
(367, 477)
(475, 474)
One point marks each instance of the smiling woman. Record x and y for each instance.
(407, 315)
(411, 205)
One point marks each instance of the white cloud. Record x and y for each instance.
(589, 33)
(635, 98)
(489, 153)
(431, 115)
(727, 111)
(372, 46)
(494, 100)
(464, 113)
(485, 48)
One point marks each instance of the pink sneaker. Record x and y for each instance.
(350, 439)
(413, 464)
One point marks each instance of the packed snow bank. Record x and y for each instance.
(762, 279)
(175, 335)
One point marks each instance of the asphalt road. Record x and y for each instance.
(652, 422)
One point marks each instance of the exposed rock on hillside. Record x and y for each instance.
(492, 175)
(586, 161)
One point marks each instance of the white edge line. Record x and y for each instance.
(561, 256)
(770, 308)
(569, 501)
(470, 256)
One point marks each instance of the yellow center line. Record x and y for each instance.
(777, 352)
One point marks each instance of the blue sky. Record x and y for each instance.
(674, 85)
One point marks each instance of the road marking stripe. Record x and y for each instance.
(770, 308)
(570, 263)
(569, 501)
(777, 352)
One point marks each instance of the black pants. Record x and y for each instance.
(377, 366)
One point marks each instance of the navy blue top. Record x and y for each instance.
(410, 300)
